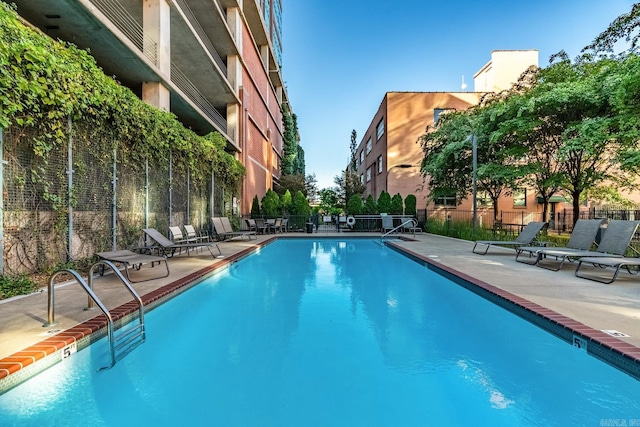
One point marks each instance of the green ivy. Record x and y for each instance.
(44, 83)
(19, 285)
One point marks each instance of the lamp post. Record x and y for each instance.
(474, 176)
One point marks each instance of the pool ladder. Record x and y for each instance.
(121, 345)
(412, 221)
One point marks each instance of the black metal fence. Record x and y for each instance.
(513, 221)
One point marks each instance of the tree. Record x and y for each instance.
(410, 203)
(353, 161)
(354, 205)
(396, 205)
(348, 184)
(328, 200)
(292, 183)
(384, 202)
(622, 27)
(285, 202)
(370, 207)
(311, 188)
(289, 143)
(255, 208)
(300, 205)
(271, 204)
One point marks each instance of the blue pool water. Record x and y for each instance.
(330, 333)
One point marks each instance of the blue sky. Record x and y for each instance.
(341, 56)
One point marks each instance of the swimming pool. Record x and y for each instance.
(330, 333)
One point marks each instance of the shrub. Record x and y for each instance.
(255, 207)
(19, 285)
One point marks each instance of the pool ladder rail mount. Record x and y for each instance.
(129, 339)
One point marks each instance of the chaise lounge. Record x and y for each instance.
(526, 237)
(135, 260)
(615, 241)
(168, 248)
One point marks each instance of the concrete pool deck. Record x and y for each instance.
(614, 307)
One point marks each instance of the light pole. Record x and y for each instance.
(474, 177)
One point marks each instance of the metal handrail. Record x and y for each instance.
(93, 298)
(413, 222)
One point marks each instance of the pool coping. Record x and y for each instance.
(611, 350)
(24, 364)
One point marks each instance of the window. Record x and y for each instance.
(520, 198)
(379, 164)
(380, 128)
(361, 156)
(369, 146)
(446, 201)
(368, 174)
(483, 199)
(361, 179)
(437, 112)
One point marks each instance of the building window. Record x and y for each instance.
(437, 112)
(368, 174)
(446, 201)
(379, 164)
(369, 146)
(484, 199)
(520, 198)
(361, 178)
(380, 128)
(361, 156)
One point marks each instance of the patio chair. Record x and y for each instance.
(261, 226)
(526, 237)
(134, 260)
(251, 224)
(602, 262)
(168, 248)
(284, 226)
(613, 244)
(582, 238)
(194, 236)
(228, 229)
(387, 222)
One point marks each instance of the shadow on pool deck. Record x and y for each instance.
(614, 307)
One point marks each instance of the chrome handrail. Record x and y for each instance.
(93, 298)
(413, 222)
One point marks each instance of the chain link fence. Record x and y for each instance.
(87, 197)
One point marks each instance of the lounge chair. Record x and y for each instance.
(193, 236)
(132, 259)
(526, 237)
(582, 238)
(226, 224)
(602, 262)
(224, 230)
(168, 247)
(613, 244)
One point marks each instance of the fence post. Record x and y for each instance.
(114, 202)
(170, 189)
(69, 188)
(2, 163)
(188, 219)
(146, 193)
(213, 192)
